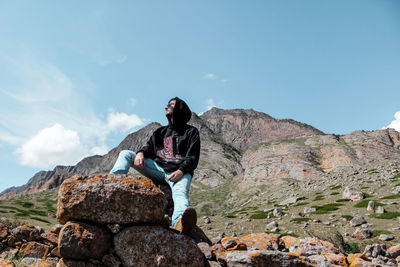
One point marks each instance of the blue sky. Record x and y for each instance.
(77, 76)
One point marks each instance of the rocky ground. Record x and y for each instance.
(315, 207)
(100, 230)
(262, 209)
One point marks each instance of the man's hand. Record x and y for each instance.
(175, 176)
(139, 160)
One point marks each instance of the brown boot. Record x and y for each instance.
(187, 222)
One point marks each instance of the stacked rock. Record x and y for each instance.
(117, 219)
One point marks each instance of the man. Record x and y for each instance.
(170, 156)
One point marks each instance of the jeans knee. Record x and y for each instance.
(127, 154)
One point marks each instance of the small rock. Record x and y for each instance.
(9, 253)
(358, 220)
(309, 210)
(207, 219)
(353, 194)
(393, 252)
(327, 223)
(365, 225)
(380, 210)
(297, 214)
(396, 191)
(34, 250)
(56, 229)
(374, 250)
(50, 238)
(288, 201)
(272, 225)
(278, 212)
(3, 231)
(361, 233)
(28, 233)
(386, 237)
(6, 263)
(371, 206)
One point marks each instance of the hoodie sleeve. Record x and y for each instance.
(192, 154)
(148, 149)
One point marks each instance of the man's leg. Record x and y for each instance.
(151, 169)
(180, 195)
(124, 161)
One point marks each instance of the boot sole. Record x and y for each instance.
(189, 220)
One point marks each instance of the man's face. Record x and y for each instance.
(170, 107)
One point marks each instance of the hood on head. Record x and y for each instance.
(181, 113)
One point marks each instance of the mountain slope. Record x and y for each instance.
(244, 148)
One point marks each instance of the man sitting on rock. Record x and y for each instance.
(170, 156)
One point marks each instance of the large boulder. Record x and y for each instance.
(81, 241)
(156, 246)
(108, 199)
(34, 249)
(27, 232)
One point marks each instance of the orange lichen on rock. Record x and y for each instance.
(289, 241)
(261, 241)
(107, 199)
(6, 263)
(233, 243)
(338, 259)
(352, 257)
(394, 251)
(360, 262)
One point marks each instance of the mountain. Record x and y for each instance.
(242, 149)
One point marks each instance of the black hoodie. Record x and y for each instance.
(176, 146)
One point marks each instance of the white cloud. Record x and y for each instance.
(209, 76)
(52, 146)
(122, 121)
(223, 82)
(132, 102)
(39, 104)
(210, 103)
(395, 124)
(59, 146)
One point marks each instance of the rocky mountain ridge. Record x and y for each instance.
(231, 124)
(243, 149)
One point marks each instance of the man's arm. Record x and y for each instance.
(191, 158)
(147, 151)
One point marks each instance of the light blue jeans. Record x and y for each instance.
(180, 189)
